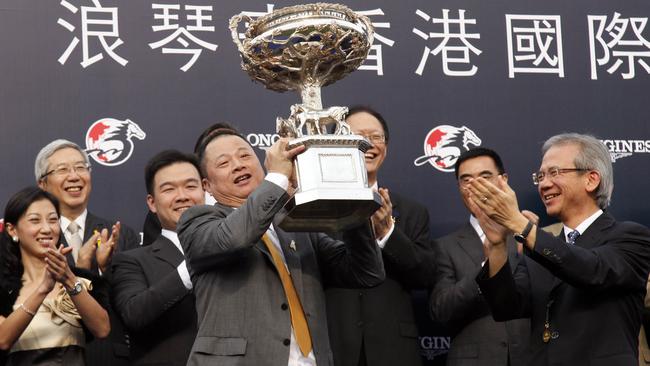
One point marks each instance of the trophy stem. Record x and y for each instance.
(311, 96)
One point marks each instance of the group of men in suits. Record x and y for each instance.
(231, 287)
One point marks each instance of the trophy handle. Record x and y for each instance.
(234, 23)
(369, 27)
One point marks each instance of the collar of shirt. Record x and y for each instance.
(583, 225)
(80, 220)
(209, 200)
(474, 222)
(173, 237)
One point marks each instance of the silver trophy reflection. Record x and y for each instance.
(304, 48)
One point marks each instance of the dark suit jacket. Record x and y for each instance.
(457, 303)
(156, 308)
(380, 320)
(593, 290)
(242, 311)
(112, 351)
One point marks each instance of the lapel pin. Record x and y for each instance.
(292, 245)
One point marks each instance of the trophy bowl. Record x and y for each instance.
(304, 48)
(301, 45)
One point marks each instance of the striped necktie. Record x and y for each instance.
(298, 320)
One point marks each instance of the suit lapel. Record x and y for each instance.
(68, 256)
(470, 242)
(592, 237)
(93, 223)
(292, 258)
(166, 251)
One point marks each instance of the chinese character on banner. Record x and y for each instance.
(96, 22)
(534, 44)
(254, 15)
(457, 54)
(617, 42)
(375, 61)
(195, 16)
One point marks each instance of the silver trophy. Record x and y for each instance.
(304, 48)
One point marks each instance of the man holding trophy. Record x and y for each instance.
(258, 286)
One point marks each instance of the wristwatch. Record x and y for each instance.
(76, 288)
(521, 237)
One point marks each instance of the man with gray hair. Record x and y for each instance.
(62, 168)
(583, 289)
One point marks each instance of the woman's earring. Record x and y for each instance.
(15, 239)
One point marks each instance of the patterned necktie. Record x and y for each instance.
(573, 236)
(298, 320)
(75, 240)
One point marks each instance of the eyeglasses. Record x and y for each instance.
(64, 170)
(376, 138)
(553, 172)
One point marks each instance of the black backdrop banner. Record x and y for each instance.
(126, 79)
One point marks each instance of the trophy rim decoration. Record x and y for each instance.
(269, 28)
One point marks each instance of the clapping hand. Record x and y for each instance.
(87, 252)
(106, 246)
(382, 219)
(57, 266)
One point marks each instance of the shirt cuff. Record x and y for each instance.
(278, 179)
(185, 275)
(382, 242)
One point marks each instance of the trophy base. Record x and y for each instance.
(329, 210)
(333, 191)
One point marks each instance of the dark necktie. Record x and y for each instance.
(573, 236)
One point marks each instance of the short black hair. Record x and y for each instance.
(164, 159)
(207, 131)
(475, 153)
(367, 109)
(209, 135)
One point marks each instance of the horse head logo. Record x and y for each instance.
(109, 141)
(444, 144)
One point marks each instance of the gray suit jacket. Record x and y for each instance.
(456, 302)
(242, 310)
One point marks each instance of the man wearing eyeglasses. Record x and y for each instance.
(456, 301)
(584, 289)
(376, 326)
(62, 168)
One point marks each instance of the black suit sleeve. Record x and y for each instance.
(507, 294)
(622, 262)
(355, 262)
(137, 302)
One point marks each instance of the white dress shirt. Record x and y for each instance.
(182, 268)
